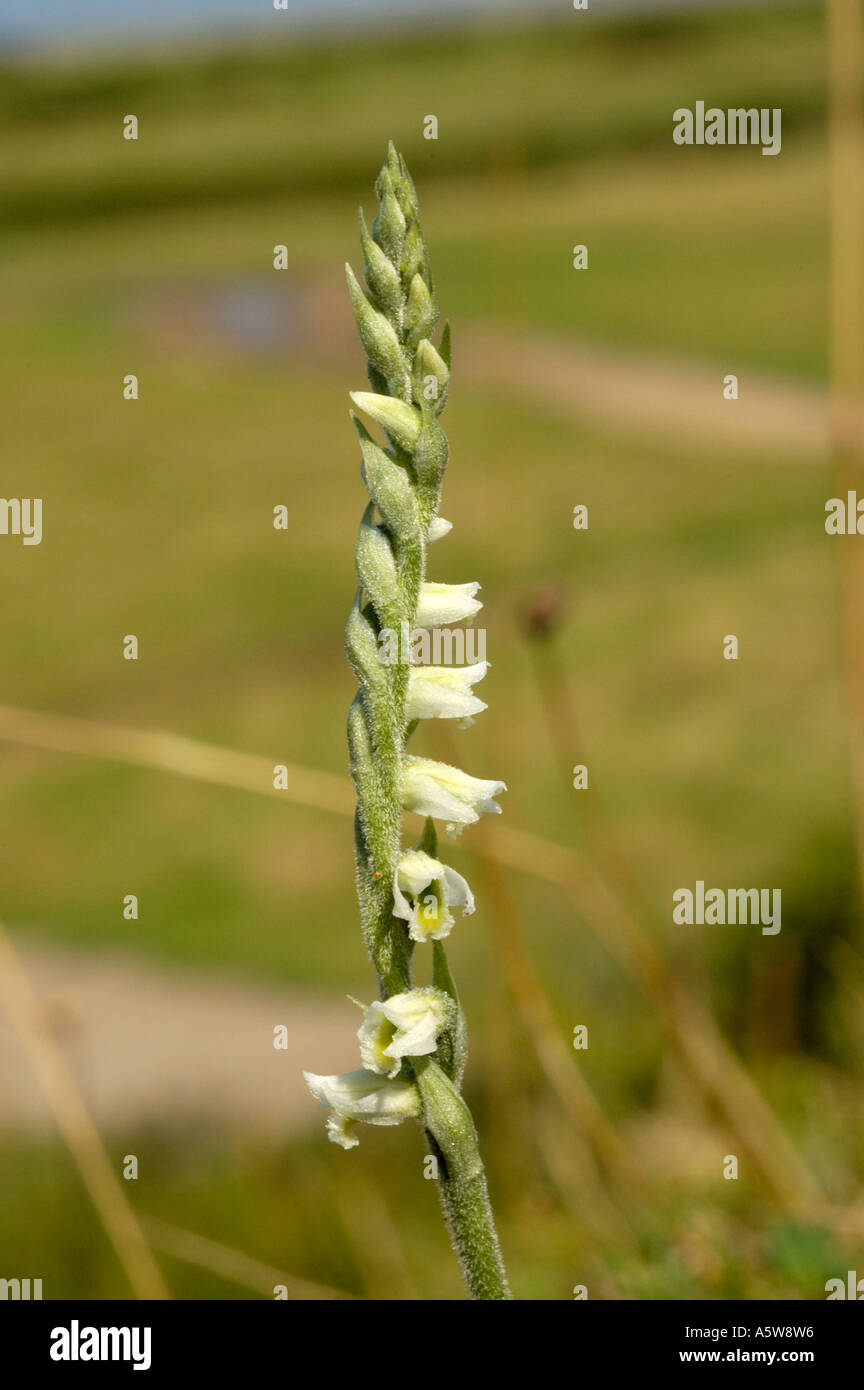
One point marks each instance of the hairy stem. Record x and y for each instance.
(461, 1183)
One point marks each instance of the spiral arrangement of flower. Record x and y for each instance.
(413, 1037)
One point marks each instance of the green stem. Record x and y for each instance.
(461, 1183)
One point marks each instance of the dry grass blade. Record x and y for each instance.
(846, 131)
(690, 1027)
(233, 1265)
(76, 1126)
(185, 757)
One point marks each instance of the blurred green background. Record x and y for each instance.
(155, 257)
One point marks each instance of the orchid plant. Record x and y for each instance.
(413, 1037)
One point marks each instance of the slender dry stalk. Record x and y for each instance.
(185, 757)
(233, 1265)
(132, 1238)
(693, 1031)
(76, 1126)
(534, 1006)
(374, 1240)
(566, 737)
(532, 1002)
(846, 131)
(590, 1204)
(688, 1023)
(591, 1133)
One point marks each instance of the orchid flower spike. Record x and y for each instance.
(413, 1039)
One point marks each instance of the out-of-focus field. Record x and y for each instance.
(155, 258)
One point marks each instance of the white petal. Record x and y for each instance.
(401, 906)
(364, 1095)
(478, 790)
(444, 692)
(416, 871)
(436, 789)
(403, 1010)
(422, 927)
(441, 604)
(418, 874)
(438, 527)
(339, 1131)
(418, 1041)
(457, 893)
(405, 1025)
(418, 1016)
(425, 796)
(375, 1035)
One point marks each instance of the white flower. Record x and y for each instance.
(442, 604)
(435, 789)
(362, 1095)
(438, 527)
(340, 1130)
(405, 1025)
(424, 891)
(444, 692)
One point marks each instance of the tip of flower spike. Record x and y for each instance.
(355, 289)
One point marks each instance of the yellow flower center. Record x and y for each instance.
(431, 907)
